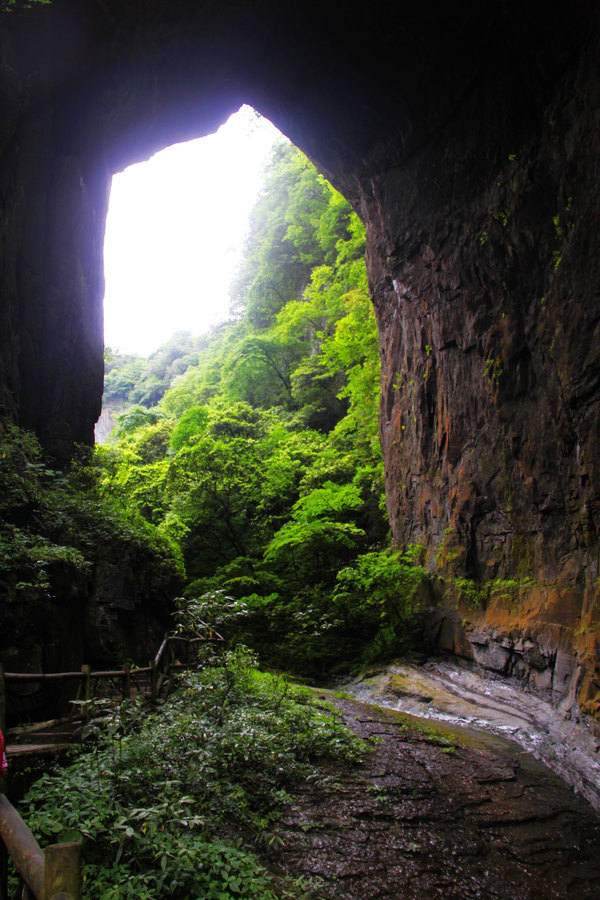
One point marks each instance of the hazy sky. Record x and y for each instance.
(175, 228)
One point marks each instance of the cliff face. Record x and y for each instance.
(486, 278)
(488, 305)
(467, 140)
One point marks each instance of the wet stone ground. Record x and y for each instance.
(435, 812)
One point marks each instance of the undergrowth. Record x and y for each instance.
(371, 613)
(180, 802)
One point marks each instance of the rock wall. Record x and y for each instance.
(488, 305)
(535, 635)
(115, 614)
(486, 283)
(468, 140)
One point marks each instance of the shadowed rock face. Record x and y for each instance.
(468, 141)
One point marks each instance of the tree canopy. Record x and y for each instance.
(255, 449)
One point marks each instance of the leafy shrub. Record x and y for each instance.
(371, 612)
(382, 585)
(213, 607)
(177, 803)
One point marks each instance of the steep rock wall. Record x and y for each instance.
(486, 283)
(489, 309)
(466, 137)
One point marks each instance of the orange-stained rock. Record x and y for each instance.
(537, 635)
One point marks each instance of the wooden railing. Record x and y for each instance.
(56, 873)
(156, 672)
(51, 875)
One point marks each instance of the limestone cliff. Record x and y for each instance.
(467, 137)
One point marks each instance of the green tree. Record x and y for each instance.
(272, 480)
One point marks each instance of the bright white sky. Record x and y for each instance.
(174, 233)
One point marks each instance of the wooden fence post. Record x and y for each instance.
(86, 692)
(153, 679)
(62, 871)
(2, 700)
(126, 681)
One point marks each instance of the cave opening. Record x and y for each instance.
(175, 228)
(466, 140)
(178, 228)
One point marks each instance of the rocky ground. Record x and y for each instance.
(433, 813)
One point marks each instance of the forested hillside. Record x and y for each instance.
(255, 451)
(131, 380)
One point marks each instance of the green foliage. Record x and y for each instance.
(478, 594)
(470, 592)
(319, 536)
(371, 611)
(133, 418)
(290, 234)
(353, 349)
(178, 803)
(192, 423)
(131, 380)
(493, 369)
(265, 469)
(216, 484)
(214, 607)
(387, 582)
(34, 533)
(52, 518)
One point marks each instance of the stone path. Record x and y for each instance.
(426, 818)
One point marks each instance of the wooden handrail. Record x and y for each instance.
(49, 875)
(86, 676)
(161, 650)
(216, 638)
(25, 851)
(110, 673)
(56, 874)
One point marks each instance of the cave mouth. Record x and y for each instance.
(467, 141)
(175, 228)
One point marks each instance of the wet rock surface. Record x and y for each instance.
(541, 638)
(460, 694)
(435, 813)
